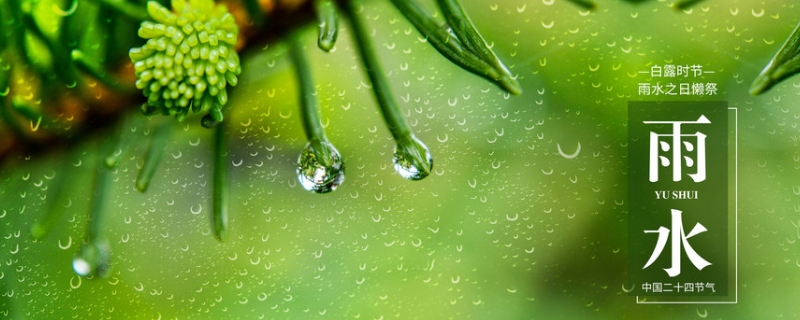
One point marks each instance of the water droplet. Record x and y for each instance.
(66, 246)
(35, 127)
(320, 168)
(75, 286)
(93, 259)
(569, 156)
(412, 159)
(72, 8)
(81, 267)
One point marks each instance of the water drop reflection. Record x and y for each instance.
(320, 168)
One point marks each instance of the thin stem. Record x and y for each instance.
(391, 113)
(120, 142)
(127, 9)
(74, 24)
(318, 150)
(55, 207)
(20, 106)
(18, 32)
(328, 21)
(12, 123)
(309, 108)
(30, 113)
(84, 64)
(5, 74)
(62, 65)
(96, 203)
(152, 158)
(254, 10)
(111, 47)
(3, 39)
(221, 193)
(95, 254)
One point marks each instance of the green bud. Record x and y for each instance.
(191, 47)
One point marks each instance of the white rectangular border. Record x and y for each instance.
(736, 225)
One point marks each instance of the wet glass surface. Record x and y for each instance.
(520, 217)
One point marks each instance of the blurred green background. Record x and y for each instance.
(505, 228)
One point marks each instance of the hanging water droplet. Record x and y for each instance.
(93, 259)
(320, 168)
(412, 159)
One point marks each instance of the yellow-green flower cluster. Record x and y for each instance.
(188, 60)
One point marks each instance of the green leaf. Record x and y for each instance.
(221, 188)
(254, 10)
(459, 41)
(328, 21)
(465, 30)
(785, 64)
(438, 36)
